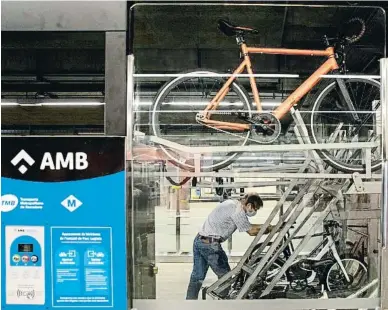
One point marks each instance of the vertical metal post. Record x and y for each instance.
(178, 222)
(130, 101)
(384, 200)
(384, 107)
(115, 83)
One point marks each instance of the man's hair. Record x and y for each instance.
(255, 200)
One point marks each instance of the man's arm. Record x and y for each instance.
(255, 228)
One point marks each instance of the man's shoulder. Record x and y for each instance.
(229, 203)
(233, 206)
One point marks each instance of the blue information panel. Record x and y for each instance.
(82, 266)
(63, 223)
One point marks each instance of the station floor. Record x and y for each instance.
(173, 278)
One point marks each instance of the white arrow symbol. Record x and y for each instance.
(22, 155)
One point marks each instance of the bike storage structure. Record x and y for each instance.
(203, 103)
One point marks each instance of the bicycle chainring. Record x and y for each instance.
(299, 285)
(266, 128)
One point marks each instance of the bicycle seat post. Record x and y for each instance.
(240, 38)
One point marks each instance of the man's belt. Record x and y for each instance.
(210, 239)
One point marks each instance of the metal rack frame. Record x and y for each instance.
(367, 183)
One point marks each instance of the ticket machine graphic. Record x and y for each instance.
(25, 276)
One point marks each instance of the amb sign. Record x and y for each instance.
(58, 161)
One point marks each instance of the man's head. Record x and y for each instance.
(251, 203)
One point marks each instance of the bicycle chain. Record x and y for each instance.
(224, 131)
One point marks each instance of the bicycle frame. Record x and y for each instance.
(329, 246)
(329, 65)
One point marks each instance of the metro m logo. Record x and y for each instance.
(71, 203)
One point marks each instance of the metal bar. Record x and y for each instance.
(384, 204)
(363, 289)
(305, 137)
(271, 304)
(263, 147)
(197, 74)
(215, 287)
(276, 175)
(373, 245)
(227, 277)
(143, 75)
(384, 106)
(130, 101)
(384, 234)
(115, 84)
(292, 237)
(299, 248)
(178, 222)
(301, 195)
(384, 198)
(259, 268)
(368, 162)
(243, 184)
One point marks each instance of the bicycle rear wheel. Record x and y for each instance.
(174, 112)
(329, 114)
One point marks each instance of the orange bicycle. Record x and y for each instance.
(216, 111)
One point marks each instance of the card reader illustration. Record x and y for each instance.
(25, 270)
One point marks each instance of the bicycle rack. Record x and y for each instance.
(303, 200)
(310, 195)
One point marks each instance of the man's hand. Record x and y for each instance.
(269, 229)
(255, 228)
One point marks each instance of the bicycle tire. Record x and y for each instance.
(331, 160)
(330, 268)
(162, 94)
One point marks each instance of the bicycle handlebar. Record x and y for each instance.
(346, 39)
(354, 38)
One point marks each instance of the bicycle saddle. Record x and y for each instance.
(230, 30)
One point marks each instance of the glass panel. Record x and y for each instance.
(201, 150)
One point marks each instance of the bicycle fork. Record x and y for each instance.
(338, 260)
(346, 99)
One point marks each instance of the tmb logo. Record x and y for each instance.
(58, 161)
(9, 202)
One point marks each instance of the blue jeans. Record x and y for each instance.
(206, 255)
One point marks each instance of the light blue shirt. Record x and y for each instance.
(225, 219)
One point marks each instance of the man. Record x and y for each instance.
(222, 222)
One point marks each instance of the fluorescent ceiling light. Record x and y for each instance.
(52, 104)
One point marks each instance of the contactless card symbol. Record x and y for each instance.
(22, 155)
(71, 203)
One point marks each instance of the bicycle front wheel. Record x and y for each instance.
(174, 118)
(330, 117)
(356, 271)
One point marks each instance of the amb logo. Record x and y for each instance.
(77, 161)
(57, 161)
